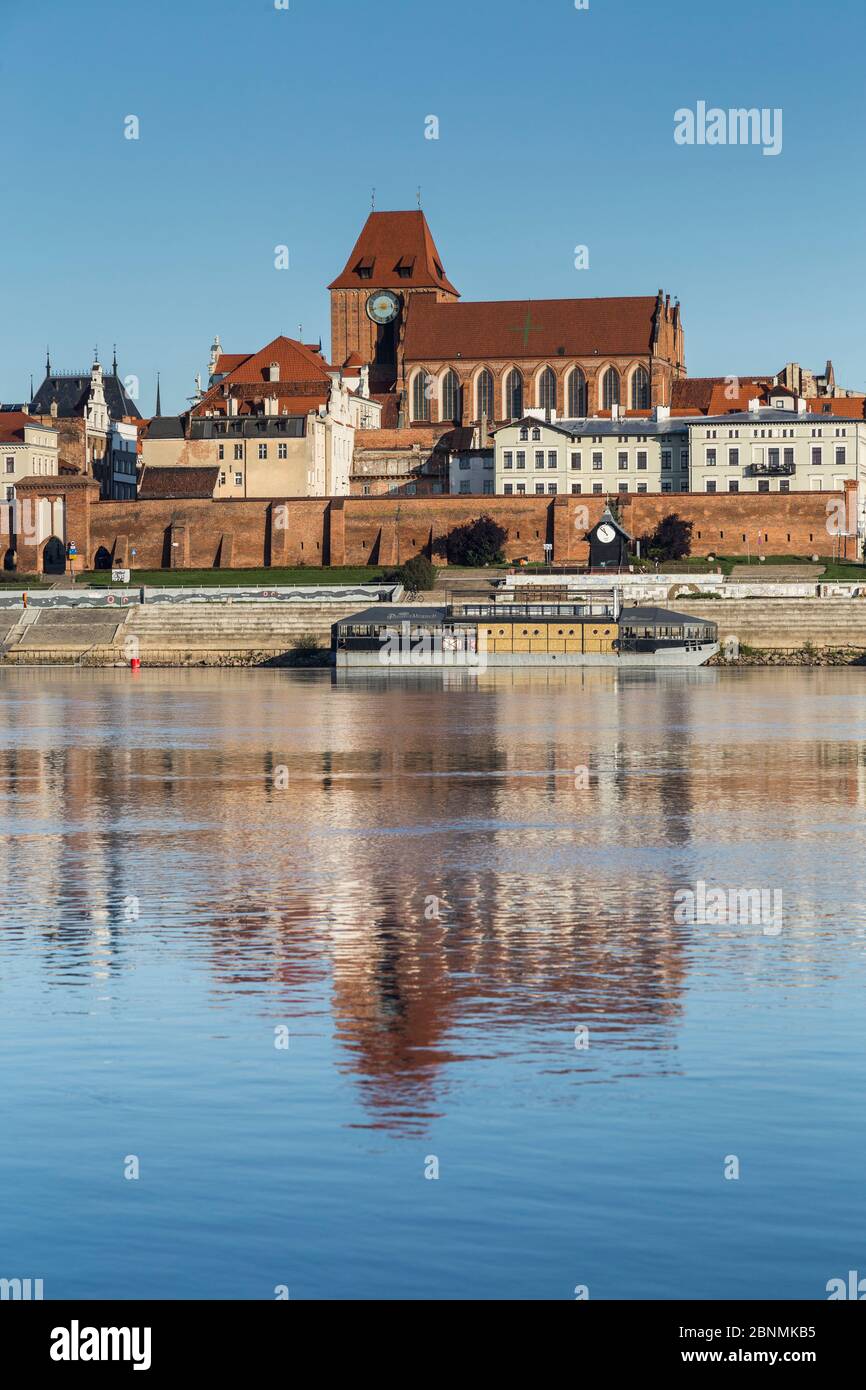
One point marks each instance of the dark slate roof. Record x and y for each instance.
(384, 616)
(167, 484)
(607, 518)
(71, 394)
(666, 616)
(165, 427)
(248, 427)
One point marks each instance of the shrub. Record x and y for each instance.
(477, 543)
(418, 573)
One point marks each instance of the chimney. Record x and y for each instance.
(365, 383)
(274, 371)
(754, 406)
(802, 406)
(662, 412)
(232, 405)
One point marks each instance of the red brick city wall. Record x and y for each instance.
(358, 530)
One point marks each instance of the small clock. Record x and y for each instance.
(606, 534)
(383, 306)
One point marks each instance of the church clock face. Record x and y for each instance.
(383, 306)
(606, 534)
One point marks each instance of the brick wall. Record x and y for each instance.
(378, 530)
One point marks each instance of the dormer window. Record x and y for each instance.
(439, 271)
(364, 268)
(405, 266)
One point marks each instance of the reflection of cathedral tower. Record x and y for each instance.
(394, 258)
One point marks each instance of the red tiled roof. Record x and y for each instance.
(516, 328)
(390, 239)
(13, 423)
(354, 360)
(707, 394)
(227, 361)
(297, 363)
(180, 483)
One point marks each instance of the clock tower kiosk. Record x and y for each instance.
(394, 258)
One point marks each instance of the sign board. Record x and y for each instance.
(120, 576)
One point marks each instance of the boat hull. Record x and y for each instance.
(697, 654)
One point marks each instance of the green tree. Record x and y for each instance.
(476, 543)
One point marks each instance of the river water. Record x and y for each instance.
(387, 986)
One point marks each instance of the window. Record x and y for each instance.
(484, 394)
(536, 433)
(684, 459)
(610, 388)
(552, 458)
(789, 458)
(640, 389)
(763, 484)
(508, 459)
(539, 458)
(451, 397)
(221, 452)
(598, 487)
(365, 490)
(773, 458)
(263, 451)
(464, 465)
(521, 458)
(575, 487)
(733, 458)
(521, 489)
(784, 485)
(733, 485)
(508, 489)
(622, 460)
(222, 478)
(641, 487)
(597, 461)
(282, 451)
(10, 492)
(642, 458)
(666, 484)
(666, 460)
(239, 478)
(10, 465)
(547, 389)
(840, 455)
(623, 487)
(551, 488)
(487, 487)
(239, 451)
(816, 456)
(421, 396)
(711, 458)
(539, 487)
(576, 462)
(577, 407)
(464, 485)
(711, 484)
(514, 397)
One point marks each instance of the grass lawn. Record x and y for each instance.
(260, 578)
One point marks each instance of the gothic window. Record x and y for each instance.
(640, 389)
(547, 389)
(610, 388)
(577, 401)
(421, 396)
(451, 397)
(514, 395)
(484, 393)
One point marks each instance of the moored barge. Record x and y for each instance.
(577, 633)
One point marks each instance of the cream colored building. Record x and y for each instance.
(28, 449)
(535, 456)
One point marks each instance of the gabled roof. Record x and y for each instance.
(301, 367)
(607, 518)
(389, 240)
(71, 393)
(227, 361)
(13, 424)
(514, 328)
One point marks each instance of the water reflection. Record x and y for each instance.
(431, 881)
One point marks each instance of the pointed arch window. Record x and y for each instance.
(640, 389)
(421, 396)
(484, 395)
(514, 395)
(451, 397)
(547, 389)
(610, 388)
(577, 397)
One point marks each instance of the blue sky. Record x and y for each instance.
(261, 127)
